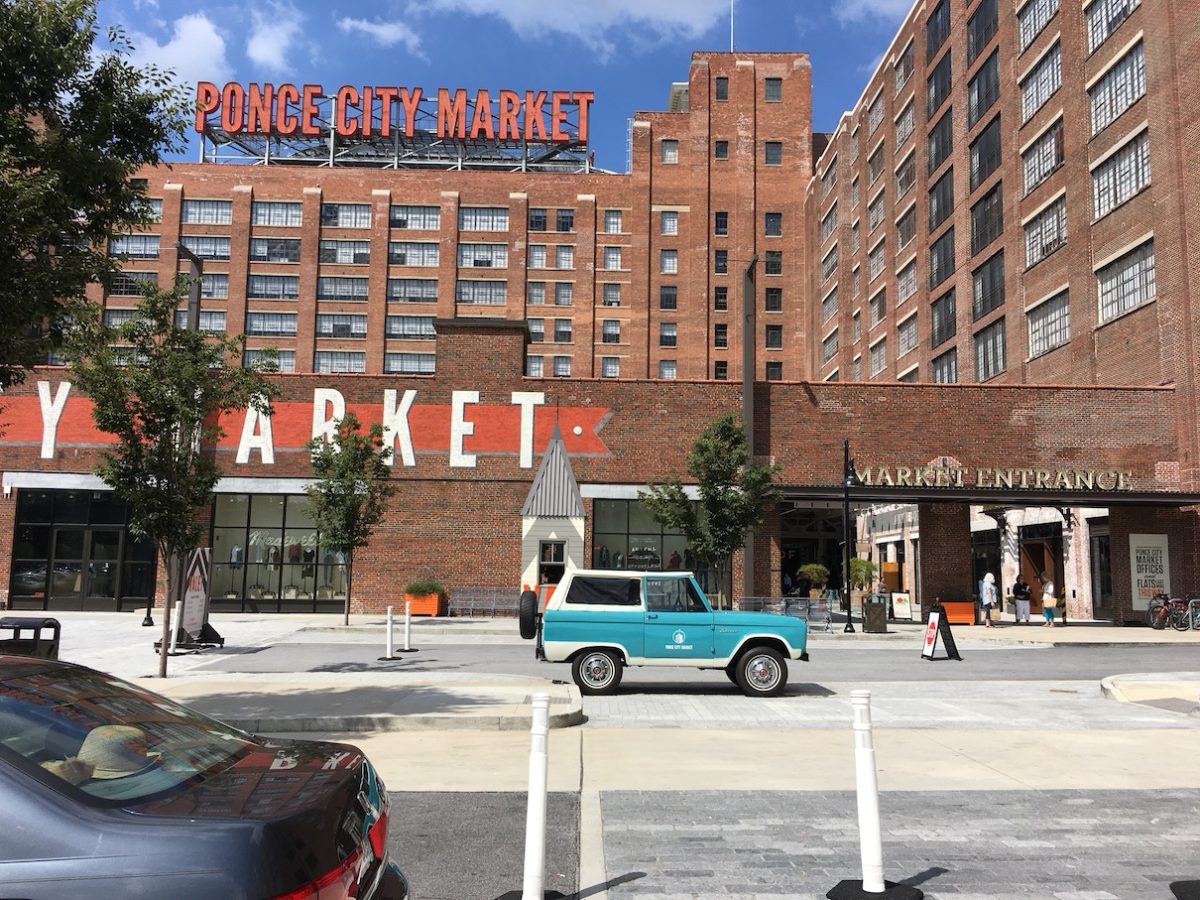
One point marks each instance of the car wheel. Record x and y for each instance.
(596, 672)
(527, 615)
(761, 672)
(731, 672)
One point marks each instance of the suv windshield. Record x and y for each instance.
(106, 738)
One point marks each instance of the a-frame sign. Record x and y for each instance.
(937, 627)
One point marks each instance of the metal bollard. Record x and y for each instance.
(388, 654)
(175, 626)
(407, 626)
(535, 819)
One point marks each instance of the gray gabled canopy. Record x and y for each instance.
(555, 492)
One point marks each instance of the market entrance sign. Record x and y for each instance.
(934, 476)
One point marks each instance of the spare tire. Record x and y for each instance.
(527, 612)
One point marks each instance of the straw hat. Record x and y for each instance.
(116, 751)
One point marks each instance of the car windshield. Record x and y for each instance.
(110, 740)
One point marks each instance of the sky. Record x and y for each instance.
(627, 51)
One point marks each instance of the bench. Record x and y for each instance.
(476, 601)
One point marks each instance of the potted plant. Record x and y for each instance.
(817, 576)
(862, 576)
(428, 598)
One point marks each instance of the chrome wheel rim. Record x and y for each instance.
(763, 673)
(597, 670)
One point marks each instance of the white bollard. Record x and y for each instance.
(870, 837)
(407, 626)
(535, 819)
(390, 626)
(175, 625)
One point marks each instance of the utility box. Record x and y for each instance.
(875, 614)
(29, 636)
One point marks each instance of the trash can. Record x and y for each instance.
(29, 636)
(875, 614)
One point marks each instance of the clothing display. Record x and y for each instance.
(310, 570)
(235, 555)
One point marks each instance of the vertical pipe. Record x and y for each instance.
(407, 626)
(388, 654)
(749, 371)
(869, 833)
(175, 630)
(535, 819)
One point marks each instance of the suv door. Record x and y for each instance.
(679, 623)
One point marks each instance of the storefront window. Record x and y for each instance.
(626, 536)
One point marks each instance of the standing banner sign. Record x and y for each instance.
(1149, 568)
(939, 627)
(195, 592)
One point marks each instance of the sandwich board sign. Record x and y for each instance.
(193, 622)
(939, 627)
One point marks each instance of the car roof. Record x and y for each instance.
(632, 573)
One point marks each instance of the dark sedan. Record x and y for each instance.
(111, 791)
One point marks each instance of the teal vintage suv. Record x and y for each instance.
(601, 621)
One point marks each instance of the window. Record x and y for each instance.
(720, 224)
(415, 218)
(346, 215)
(613, 221)
(342, 326)
(938, 87)
(829, 179)
(855, 238)
(610, 367)
(1123, 175)
(1121, 87)
(773, 153)
(722, 88)
(1033, 18)
(773, 90)
(275, 250)
(875, 114)
(721, 336)
(875, 211)
(937, 29)
(537, 256)
(981, 28)
(720, 298)
(941, 141)
(987, 287)
(535, 293)
(1046, 233)
(535, 366)
(214, 287)
(1044, 157)
(941, 200)
(721, 262)
(905, 66)
(273, 287)
(829, 346)
(207, 246)
(906, 282)
(564, 257)
(668, 297)
(564, 222)
(906, 123)
(1105, 17)
(562, 367)
(667, 369)
(1049, 325)
(1126, 283)
(669, 152)
(773, 337)
(989, 352)
(342, 252)
(1040, 84)
(564, 293)
(875, 165)
(773, 299)
(984, 89)
(612, 259)
(906, 336)
(854, 193)
(857, 376)
(721, 149)
(611, 331)
(879, 357)
(612, 295)
(410, 363)
(411, 328)
(412, 290)
(329, 288)
(339, 361)
(987, 219)
(773, 262)
(857, 281)
(538, 219)
(857, 327)
(854, 145)
(668, 334)
(877, 260)
(985, 153)
(721, 370)
(207, 212)
(483, 218)
(268, 212)
(906, 175)
(481, 293)
(211, 322)
(830, 263)
(878, 307)
(829, 223)
(774, 371)
(413, 253)
(285, 360)
(564, 331)
(943, 320)
(668, 262)
(773, 224)
(130, 284)
(941, 259)
(537, 330)
(906, 228)
(945, 368)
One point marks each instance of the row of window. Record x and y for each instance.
(669, 151)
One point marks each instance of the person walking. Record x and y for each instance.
(1049, 600)
(1022, 594)
(987, 597)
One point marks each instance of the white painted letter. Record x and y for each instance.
(256, 435)
(395, 425)
(52, 411)
(325, 426)
(527, 400)
(460, 428)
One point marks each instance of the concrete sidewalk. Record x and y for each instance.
(1174, 691)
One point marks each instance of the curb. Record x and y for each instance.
(1110, 690)
(366, 724)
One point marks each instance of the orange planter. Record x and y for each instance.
(960, 612)
(426, 604)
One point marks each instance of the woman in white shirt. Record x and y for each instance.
(1049, 600)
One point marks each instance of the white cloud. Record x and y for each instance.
(273, 33)
(388, 34)
(195, 51)
(884, 12)
(597, 22)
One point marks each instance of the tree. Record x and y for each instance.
(862, 573)
(351, 491)
(160, 390)
(75, 124)
(734, 495)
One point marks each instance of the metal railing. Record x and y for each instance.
(813, 610)
(475, 601)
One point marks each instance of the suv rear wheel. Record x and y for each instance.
(761, 672)
(596, 672)
(527, 612)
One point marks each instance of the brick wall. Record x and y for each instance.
(1182, 527)
(945, 553)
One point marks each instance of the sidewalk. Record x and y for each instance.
(1174, 691)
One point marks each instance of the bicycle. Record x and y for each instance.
(1164, 611)
(1189, 618)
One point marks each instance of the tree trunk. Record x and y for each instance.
(349, 586)
(174, 576)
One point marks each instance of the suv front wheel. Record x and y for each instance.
(596, 672)
(761, 672)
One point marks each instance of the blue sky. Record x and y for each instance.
(627, 51)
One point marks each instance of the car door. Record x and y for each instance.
(679, 623)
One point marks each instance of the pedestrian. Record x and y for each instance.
(987, 596)
(1022, 594)
(1049, 600)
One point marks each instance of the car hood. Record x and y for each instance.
(758, 620)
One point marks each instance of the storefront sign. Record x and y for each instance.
(902, 605)
(195, 592)
(984, 477)
(285, 110)
(1149, 568)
